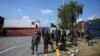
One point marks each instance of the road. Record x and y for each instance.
(19, 46)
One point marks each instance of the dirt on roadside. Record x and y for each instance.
(84, 49)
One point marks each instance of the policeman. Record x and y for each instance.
(47, 41)
(52, 35)
(57, 36)
(74, 36)
(63, 39)
(35, 42)
(89, 37)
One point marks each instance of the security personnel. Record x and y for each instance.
(74, 37)
(63, 39)
(35, 42)
(52, 36)
(47, 41)
(57, 36)
(89, 37)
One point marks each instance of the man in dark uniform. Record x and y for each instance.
(47, 41)
(63, 39)
(89, 37)
(35, 41)
(57, 36)
(39, 34)
(74, 37)
(52, 36)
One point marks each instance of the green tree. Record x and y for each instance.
(68, 14)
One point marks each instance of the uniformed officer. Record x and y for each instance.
(35, 42)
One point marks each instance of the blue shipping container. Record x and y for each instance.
(94, 27)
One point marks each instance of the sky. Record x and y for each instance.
(44, 10)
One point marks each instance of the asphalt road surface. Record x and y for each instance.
(19, 46)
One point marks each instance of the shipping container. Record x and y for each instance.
(94, 27)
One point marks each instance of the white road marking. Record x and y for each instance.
(7, 49)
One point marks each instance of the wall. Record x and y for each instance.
(21, 31)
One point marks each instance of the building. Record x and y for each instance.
(21, 27)
(1, 24)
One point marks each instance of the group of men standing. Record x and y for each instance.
(75, 34)
(55, 36)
